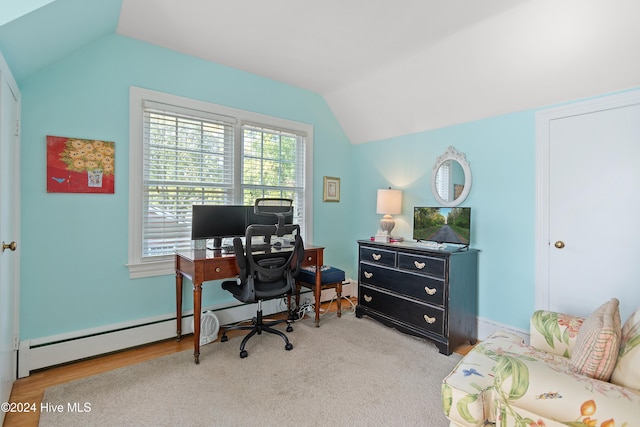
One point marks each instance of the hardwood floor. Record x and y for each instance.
(31, 389)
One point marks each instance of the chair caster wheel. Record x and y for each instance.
(289, 346)
(243, 354)
(224, 338)
(289, 328)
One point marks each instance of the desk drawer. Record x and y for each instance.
(420, 315)
(424, 288)
(378, 256)
(422, 264)
(310, 258)
(221, 268)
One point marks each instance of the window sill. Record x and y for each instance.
(161, 267)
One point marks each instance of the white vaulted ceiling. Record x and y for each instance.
(386, 68)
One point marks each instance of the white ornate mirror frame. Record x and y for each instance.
(452, 155)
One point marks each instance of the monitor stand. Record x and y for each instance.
(217, 243)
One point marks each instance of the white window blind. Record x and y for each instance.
(443, 179)
(273, 166)
(188, 159)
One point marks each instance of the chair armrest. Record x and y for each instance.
(554, 332)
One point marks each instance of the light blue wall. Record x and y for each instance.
(12, 9)
(501, 152)
(74, 246)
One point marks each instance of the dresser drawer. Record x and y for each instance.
(422, 264)
(425, 288)
(378, 256)
(419, 315)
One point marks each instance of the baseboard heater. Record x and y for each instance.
(55, 350)
(60, 349)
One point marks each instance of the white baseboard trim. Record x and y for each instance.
(349, 288)
(487, 327)
(55, 350)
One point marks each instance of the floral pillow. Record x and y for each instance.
(598, 342)
(627, 371)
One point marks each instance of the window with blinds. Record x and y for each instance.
(185, 152)
(273, 166)
(188, 159)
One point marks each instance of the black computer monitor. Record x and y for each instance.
(217, 222)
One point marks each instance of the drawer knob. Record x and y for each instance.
(368, 275)
(430, 291)
(367, 298)
(218, 270)
(376, 257)
(309, 259)
(429, 320)
(419, 265)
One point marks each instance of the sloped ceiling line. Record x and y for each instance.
(386, 69)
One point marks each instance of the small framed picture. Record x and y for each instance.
(331, 189)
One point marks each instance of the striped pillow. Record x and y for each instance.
(627, 370)
(598, 341)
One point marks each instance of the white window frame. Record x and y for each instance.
(139, 267)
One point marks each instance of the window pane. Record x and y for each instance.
(273, 166)
(187, 161)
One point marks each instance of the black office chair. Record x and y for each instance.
(265, 273)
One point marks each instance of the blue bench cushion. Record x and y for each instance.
(329, 274)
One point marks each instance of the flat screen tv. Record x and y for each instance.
(442, 225)
(217, 222)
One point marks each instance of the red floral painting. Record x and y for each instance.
(80, 165)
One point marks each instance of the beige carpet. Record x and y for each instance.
(350, 371)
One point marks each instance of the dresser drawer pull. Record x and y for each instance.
(368, 275)
(376, 257)
(367, 298)
(429, 320)
(419, 265)
(430, 291)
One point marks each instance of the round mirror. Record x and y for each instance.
(451, 178)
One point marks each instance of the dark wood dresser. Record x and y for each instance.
(420, 291)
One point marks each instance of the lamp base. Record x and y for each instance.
(382, 237)
(386, 224)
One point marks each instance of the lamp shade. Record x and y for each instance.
(389, 202)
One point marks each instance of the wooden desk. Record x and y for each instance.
(202, 265)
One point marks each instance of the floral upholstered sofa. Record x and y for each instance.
(577, 372)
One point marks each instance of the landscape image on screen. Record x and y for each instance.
(442, 225)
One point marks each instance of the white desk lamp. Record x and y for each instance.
(389, 203)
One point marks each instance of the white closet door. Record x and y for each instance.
(594, 210)
(9, 213)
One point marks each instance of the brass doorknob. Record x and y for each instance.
(11, 246)
(559, 244)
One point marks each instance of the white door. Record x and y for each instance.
(9, 229)
(591, 244)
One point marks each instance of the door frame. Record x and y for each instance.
(543, 184)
